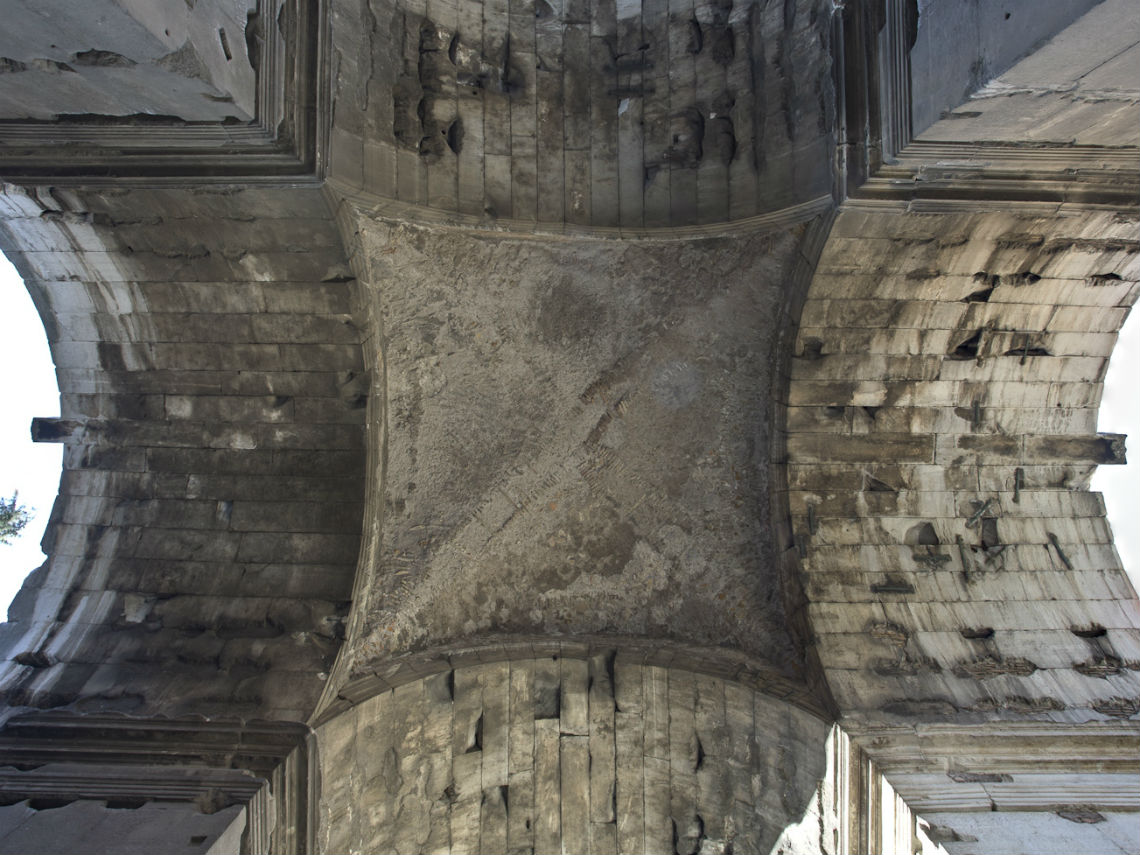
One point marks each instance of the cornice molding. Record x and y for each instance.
(281, 141)
(1013, 172)
(880, 161)
(372, 678)
(345, 197)
(263, 766)
(257, 747)
(996, 747)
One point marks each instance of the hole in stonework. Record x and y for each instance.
(968, 349)
(547, 700)
(990, 537)
(1030, 278)
(1028, 351)
(225, 42)
(813, 348)
(125, 804)
(455, 136)
(834, 411)
(197, 840)
(1084, 815)
(874, 485)
(982, 296)
(923, 534)
(475, 743)
(48, 803)
(979, 633)
(1095, 631)
(871, 412)
(1105, 279)
(1007, 16)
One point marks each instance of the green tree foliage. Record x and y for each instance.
(13, 518)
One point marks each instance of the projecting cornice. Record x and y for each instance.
(280, 140)
(1013, 172)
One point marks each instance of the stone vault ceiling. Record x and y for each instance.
(614, 353)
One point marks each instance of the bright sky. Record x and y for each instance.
(34, 468)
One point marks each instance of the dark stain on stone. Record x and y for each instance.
(547, 697)
(688, 132)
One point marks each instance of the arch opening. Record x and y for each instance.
(30, 389)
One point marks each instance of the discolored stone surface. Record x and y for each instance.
(203, 546)
(632, 115)
(576, 439)
(629, 758)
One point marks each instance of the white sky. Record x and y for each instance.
(34, 468)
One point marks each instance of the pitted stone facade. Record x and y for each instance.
(582, 427)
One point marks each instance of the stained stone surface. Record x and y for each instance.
(203, 545)
(633, 114)
(576, 438)
(560, 754)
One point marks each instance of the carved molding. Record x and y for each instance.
(280, 141)
(879, 160)
(37, 738)
(264, 766)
